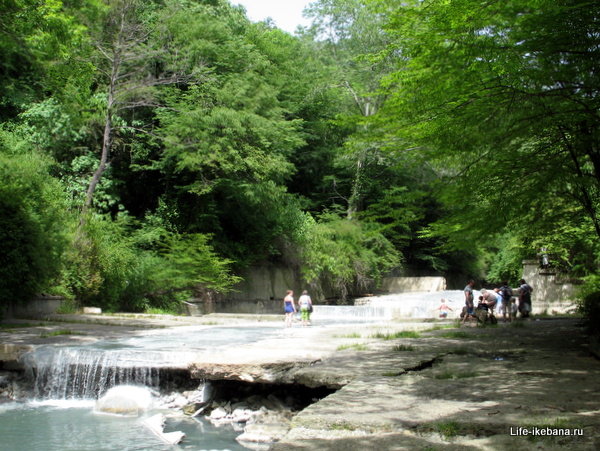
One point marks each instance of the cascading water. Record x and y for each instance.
(416, 305)
(340, 313)
(76, 373)
(62, 413)
(69, 380)
(87, 372)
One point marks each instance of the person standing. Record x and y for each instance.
(469, 302)
(305, 303)
(289, 307)
(507, 294)
(524, 298)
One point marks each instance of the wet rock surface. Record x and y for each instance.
(449, 387)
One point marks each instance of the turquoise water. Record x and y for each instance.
(74, 426)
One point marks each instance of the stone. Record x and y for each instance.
(156, 424)
(125, 400)
(241, 415)
(218, 413)
(263, 433)
(191, 409)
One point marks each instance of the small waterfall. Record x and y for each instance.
(87, 373)
(410, 305)
(352, 313)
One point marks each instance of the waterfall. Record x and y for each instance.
(88, 372)
(352, 313)
(416, 305)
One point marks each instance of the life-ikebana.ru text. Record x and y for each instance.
(536, 431)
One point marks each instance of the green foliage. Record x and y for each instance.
(230, 125)
(344, 255)
(189, 263)
(448, 428)
(498, 97)
(116, 266)
(506, 262)
(33, 226)
(354, 346)
(101, 262)
(407, 334)
(58, 333)
(589, 303)
(396, 335)
(352, 335)
(436, 130)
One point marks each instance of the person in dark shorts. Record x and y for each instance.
(289, 308)
(469, 302)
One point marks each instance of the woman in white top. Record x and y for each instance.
(305, 303)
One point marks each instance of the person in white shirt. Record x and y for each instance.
(305, 303)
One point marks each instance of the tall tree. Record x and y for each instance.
(347, 31)
(132, 55)
(503, 96)
(228, 140)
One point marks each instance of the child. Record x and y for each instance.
(443, 308)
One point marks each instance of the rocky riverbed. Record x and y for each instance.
(402, 385)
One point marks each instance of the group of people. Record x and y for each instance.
(500, 299)
(305, 307)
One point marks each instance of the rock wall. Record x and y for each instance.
(38, 307)
(197, 307)
(264, 283)
(552, 293)
(413, 284)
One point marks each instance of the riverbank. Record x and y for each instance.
(401, 385)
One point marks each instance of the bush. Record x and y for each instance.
(342, 254)
(100, 263)
(589, 303)
(119, 267)
(33, 226)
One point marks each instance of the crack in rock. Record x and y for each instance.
(423, 365)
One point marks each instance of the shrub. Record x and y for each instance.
(589, 303)
(343, 254)
(33, 231)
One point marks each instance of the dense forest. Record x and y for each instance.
(153, 149)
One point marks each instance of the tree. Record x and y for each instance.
(228, 140)
(503, 98)
(347, 31)
(343, 256)
(131, 56)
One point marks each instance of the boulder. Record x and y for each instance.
(264, 433)
(125, 400)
